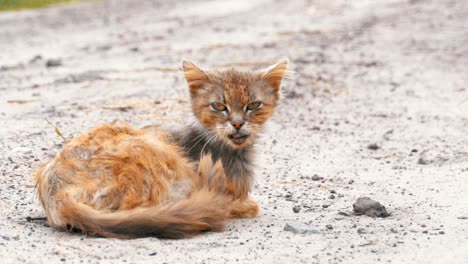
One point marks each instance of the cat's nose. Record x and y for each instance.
(237, 123)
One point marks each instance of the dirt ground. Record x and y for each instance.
(378, 107)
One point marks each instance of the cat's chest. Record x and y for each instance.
(236, 167)
(237, 163)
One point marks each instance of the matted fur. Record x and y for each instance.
(117, 181)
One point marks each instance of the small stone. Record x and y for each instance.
(431, 157)
(152, 254)
(331, 197)
(292, 94)
(369, 207)
(343, 213)
(329, 227)
(332, 191)
(53, 63)
(373, 146)
(361, 231)
(441, 232)
(350, 181)
(316, 177)
(325, 206)
(23, 150)
(301, 229)
(296, 209)
(462, 217)
(393, 230)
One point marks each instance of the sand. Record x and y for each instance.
(378, 107)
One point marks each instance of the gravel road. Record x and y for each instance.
(378, 108)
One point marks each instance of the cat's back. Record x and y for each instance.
(114, 167)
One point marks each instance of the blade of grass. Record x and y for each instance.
(56, 129)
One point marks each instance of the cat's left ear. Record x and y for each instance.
(195, 76)
(275, 73)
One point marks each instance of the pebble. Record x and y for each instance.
(53, 63)
(301, 229)
(369, 207)
(373, 146)
(329, 227)
(23, 150)
(361, 231)
(316, 177)
(296, 209)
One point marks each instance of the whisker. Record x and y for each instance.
(201, 136)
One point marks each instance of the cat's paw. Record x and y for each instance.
(211, 176)
(247, 208)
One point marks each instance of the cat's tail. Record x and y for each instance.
(204, 210)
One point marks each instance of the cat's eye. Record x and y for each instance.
(218, 107)
(254, 105)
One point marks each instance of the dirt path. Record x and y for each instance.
(378, 107)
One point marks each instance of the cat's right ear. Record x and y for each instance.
(195, 76)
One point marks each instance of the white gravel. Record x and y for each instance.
(390, 73)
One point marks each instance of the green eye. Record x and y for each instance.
(218, 107)
(254, 105)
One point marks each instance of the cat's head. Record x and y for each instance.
(234, 105)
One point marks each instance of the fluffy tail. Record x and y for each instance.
(203, 210)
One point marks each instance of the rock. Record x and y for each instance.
(331, 197)
(369, 207)
(292, 94)
(343, 213)
(432, 157)
(152, 254)
(462, 217)
(35, 59)
(316, 177)
(296, 209)
(53, 63)
(301, 229)
(361, 231)
(329, 227)
(23, 150)
(373, 146)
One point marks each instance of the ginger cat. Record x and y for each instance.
(117, 181)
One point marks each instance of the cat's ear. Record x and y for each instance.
(195, 76)
(275, 73)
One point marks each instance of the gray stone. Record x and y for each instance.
(301, 229)
(369, 207)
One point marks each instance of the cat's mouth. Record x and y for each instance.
(237, 138)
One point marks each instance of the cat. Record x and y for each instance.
(118, 181)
